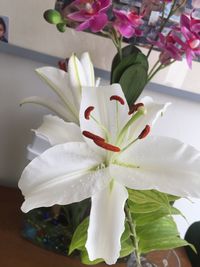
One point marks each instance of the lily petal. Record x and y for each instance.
(63, 174)
(88, 68)
(58, 80)
(109, 114)
(76, 73)
(107, 223)
(57, 131)
(56, 107)
(154, 111)
(161, 163)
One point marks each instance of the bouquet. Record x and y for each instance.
(101, 143)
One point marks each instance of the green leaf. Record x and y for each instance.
(164, 227)
(160, 235)
(85, 258)
(122, 66)
(143, 208)
(148, 196)
(133, 81)
(162, 244)
(79, 236)
(126, 52)
(146, 218)
(126, 248)
(126, 233)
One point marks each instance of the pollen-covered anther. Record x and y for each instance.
(135, 107)
(88, 111)
(107, 146)
(145, 132)
(117, 98)
(92, 136)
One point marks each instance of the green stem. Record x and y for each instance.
(133, 235)
(160, 67)
(153, 68)
(164, 22)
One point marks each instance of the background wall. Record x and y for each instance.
(28, 29)
(18, 80)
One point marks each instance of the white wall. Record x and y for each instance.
(28, 29)
(18, 80)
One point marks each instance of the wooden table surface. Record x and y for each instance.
(18, 252)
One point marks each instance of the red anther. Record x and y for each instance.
(92, 136)
(145, 132)
(107, 146)
(88, 111)
(117, 98)
(135, 107)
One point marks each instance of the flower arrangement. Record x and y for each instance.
(102, 147)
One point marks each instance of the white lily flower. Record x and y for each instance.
(114, 155)
(67, 86)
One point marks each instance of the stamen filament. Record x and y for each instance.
(102, 127)
(124, 130)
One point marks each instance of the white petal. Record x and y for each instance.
(88, 69)
(63, 174)
(76, 73)
(56, 107)
(106, 224)
(160, 163)
(58, 80)
(57, 131)
(154, 111)
(111, 114)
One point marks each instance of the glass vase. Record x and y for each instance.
(168, 259)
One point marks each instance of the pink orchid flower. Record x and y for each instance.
(91, 14)
(127, 23)
(168, 46)
(190, 29)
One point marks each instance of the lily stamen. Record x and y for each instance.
(117, 98)
(107, 146)
(145, 132)
(92, 136)
(87, 112)
(135, 107)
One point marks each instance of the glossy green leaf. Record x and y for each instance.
(164, 227)
(126, 52)
(133, 81)
(148, 196)
(162, 244)
(79, 236)
(160, 235)
(143, 208)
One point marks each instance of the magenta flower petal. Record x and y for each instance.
(98, 22)
(126, 30)
(189, 56)
(78, 16)
(83, 26)
(121, 15)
